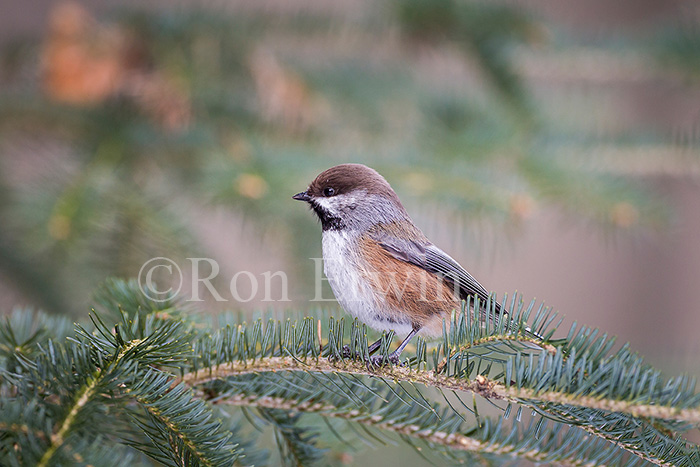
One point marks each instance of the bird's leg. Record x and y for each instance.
(373, 347)
(393, 357)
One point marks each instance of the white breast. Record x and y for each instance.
(342, 268)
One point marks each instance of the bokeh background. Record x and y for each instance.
(552, 147)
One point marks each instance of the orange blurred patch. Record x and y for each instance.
(521, 206)
(624, 214)
(82, 62)
(284, 98)
(251, 186)
(85, 63)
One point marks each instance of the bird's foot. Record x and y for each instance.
(380, 360)
(374, 361)
(346, 353)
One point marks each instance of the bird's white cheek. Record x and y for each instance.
(333, 205)
(337, 204)
(328, 204)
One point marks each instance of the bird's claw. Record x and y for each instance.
(345, 352)
(381, 360)
(374, 361)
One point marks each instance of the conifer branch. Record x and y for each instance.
(480, 385)
(175, 430)
(203, 441)
(690, 415)
(58, 438)
(455, 441)
(648, 444)
(85, 394)
(629, 447)
(621, 405)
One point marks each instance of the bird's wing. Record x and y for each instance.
(432, 259)
(427, 256)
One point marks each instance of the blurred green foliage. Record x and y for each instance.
(480, 29)
(240, 110)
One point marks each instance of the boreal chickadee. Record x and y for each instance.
(380, 266)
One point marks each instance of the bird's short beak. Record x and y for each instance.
(303, 196)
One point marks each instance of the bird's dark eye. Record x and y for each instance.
(328, 191)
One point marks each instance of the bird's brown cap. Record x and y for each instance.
(346, 178)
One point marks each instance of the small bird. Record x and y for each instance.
(380, 266)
